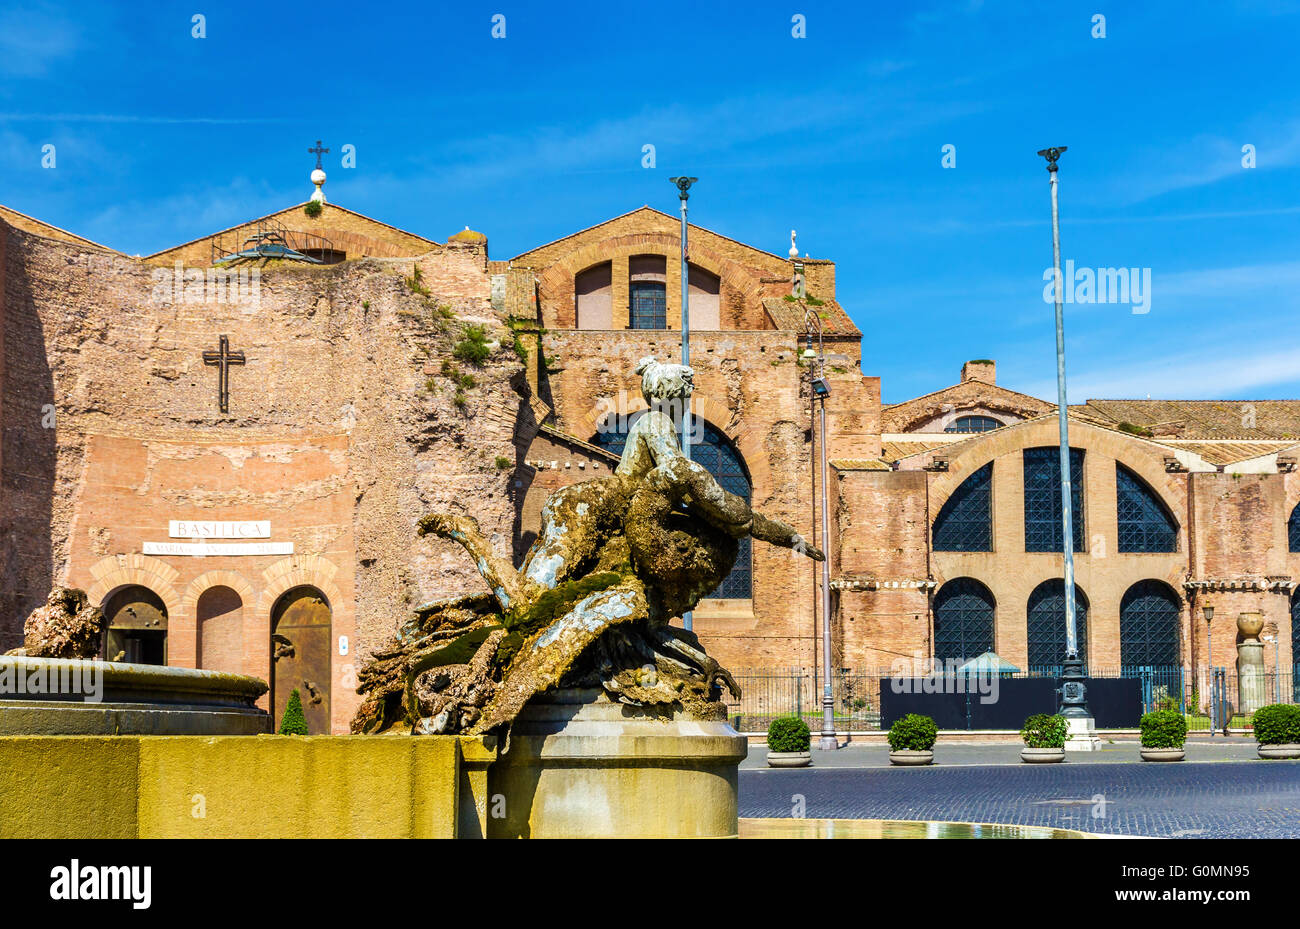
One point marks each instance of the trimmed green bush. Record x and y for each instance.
(788, 734)
(913, 733)
(1164, 729)
(1277, 724)
(293, 722)
(1044, 730)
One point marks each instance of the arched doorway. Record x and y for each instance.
(1045, 626)
(137, 626)
(300, 656)
(220, 614)
(1148, 626)
(963, 620)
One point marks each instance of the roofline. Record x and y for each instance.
(933, 393)
(248, 222)
(79, 238)
(669, 216)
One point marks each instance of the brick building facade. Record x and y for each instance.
(276, 536)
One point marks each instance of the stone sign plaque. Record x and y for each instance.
(199, 549)
(219, 529)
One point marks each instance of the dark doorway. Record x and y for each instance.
(137, 627)
(300, 656)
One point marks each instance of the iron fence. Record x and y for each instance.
(1211, 699)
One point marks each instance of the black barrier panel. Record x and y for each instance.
(1116, 703)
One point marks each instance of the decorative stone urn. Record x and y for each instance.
(1042, 755)
(789, 759)
(908, 757)
(1250, 663)
(1282, 751)
(1163, 754)
(579, 765)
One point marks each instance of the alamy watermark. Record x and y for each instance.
(921, 675)
(1101, 285)
(207, 285)
(53, 679)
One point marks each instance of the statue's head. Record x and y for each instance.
(661, 381)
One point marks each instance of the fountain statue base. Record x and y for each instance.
(579, 765)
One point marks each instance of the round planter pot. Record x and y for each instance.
(1163, 754)
(908, 757)
(1042, 755)
(1286, 750)
(789, 759)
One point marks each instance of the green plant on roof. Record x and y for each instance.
(293, 722)
(313, 208)
(1131, 429)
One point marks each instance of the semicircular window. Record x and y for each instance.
(1293, 530)
(1043, 528)
(1144, 523)
(1148, 626)
(963, 620)
(719, 457)
(965, 523)
(1045, 626)
(973, 424)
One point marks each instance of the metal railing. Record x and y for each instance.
(1211, 699)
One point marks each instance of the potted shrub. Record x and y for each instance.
(1163, 735)
(787, 743)
(1277, 730)
(911, 740)
(1044, 735)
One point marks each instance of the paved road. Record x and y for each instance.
(1209, 799)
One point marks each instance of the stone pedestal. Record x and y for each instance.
(1081, 734)
(579, 765)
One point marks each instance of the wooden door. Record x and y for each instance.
(300, 656)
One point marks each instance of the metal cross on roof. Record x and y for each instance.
(318, 151)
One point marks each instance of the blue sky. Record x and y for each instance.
(161, 137)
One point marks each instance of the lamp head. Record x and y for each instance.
(1051, 154)
(1208, 612)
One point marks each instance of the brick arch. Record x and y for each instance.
(117, 571)
(747, 439)
(299, 571)
(209, 579)
(1142, 458)
(557, 279)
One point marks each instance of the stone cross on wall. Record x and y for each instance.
(223, 358)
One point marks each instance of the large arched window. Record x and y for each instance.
(137, 626)
(1144, 523)
(647, 292)
(1045, 626)
(965, 523)
(1148, 626)
(1293, 530)
(720, 458)
(1043, 531)
(963, 620)
(593, 295)
(972, 424)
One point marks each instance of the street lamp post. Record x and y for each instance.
(1208, 612)
(683, 185)
(821, 390)
(1073, 703)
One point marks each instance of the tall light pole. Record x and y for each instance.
(1073, 703)
(821, 390)
(683, 192)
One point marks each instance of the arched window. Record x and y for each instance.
(965, 524)
(973, 424)
(1295, 645)
(1144, 523)
(1043, 532)
(1045, 626)
(719, 457)
(1148, 626)
(1293, 530)
(220, 615)
(963, 620)
(706, 299)
(593, 294)
(647, 294)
